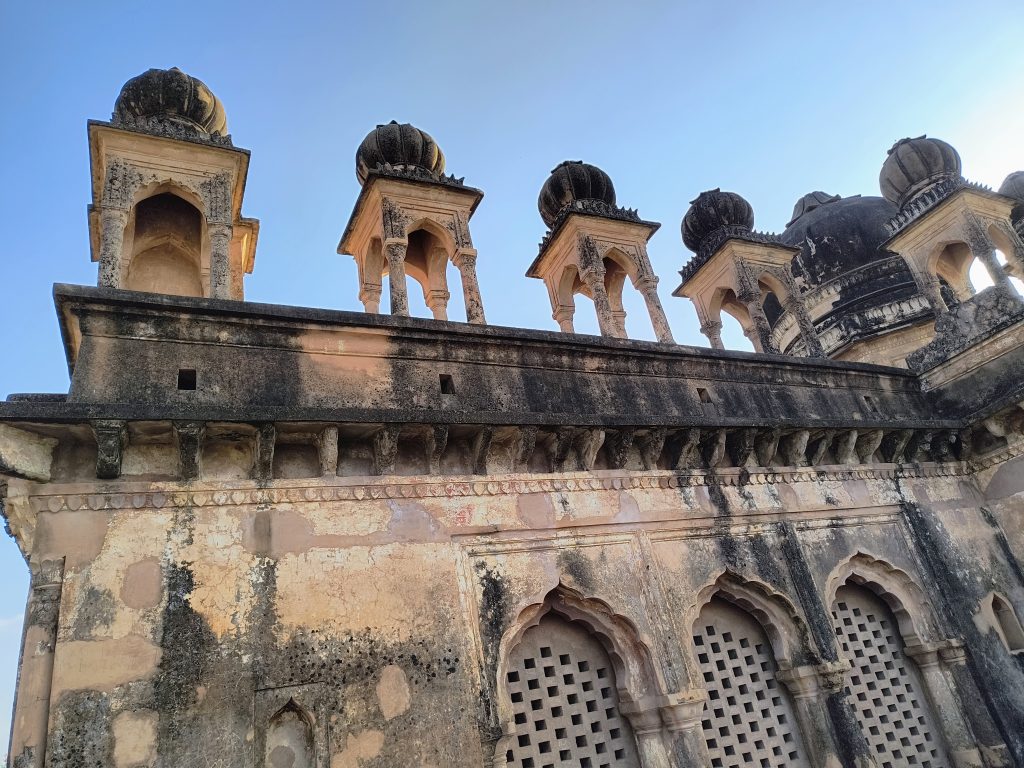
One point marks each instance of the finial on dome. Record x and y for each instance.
(809, 202)
(170, 102)
(714, 210)
(401, 146)
(573, 180)
(914, 165)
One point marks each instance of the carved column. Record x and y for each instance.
(682, 722)
(810, 687)
(35, 678)
(761, 331)
(939, 690)
(713, 330)
(594, 279)
(437, 303)
(803, 320)
(1016, 255)
(394, 252)
(220, 260)
(563, 316)
(465, 262)
(648, 288)
(112, 225)
(646, 724)
(928, 286)
(369, 294)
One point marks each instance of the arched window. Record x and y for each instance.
(565, 702)
(166, 247)
(884, 687)
(747, 720)
(1008, 624)
(289, 739)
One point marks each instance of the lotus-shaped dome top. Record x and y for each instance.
(913, 165)
(171, 96)
(712, 211)
(401, 146)
(570, 181)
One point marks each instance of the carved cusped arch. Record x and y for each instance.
(629, 651)
(776, 613)
(895, 587)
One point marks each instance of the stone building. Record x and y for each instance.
(278, 537)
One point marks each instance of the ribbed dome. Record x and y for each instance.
(840, 236)
(1013, 186)
(913, 165)
(809, 202)
(570, 181)
(710, 212)
(401, 146)
(171, 95)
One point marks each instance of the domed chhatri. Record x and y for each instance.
(573, 180)
(1013, 186)
(170, 96)
(809, 202)
(711, 211)
(400, 145)
(913, 165)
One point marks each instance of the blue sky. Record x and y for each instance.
(770, 100)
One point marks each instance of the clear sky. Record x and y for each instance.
(771, 100)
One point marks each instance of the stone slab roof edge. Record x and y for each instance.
(67, 295)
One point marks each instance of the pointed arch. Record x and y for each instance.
(290, 739)
(894, 586)
(629, 652)
(996, 613)
(782, 622)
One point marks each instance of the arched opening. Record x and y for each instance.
(1008, 624)
(289, 742)
(614, 281)
(735, 322)
(954, 268)
(166, 247)
(565, 700)
(748, 717)
(884, 686)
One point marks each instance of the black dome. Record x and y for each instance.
(840, 235)
(712, 211)
(570, 181)
(913, 165)
(170, 94)
(400, 146)
(1013, 186)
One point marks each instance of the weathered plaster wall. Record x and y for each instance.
(382, 608)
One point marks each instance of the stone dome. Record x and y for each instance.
(171, 96)
(401, 146)
(840, 235)
(1013, 186)
(809, 202)
(570, 181)
(714, 210)
(913, 165)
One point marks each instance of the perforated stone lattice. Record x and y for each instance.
(565, 702)
(747, 719)
(884, 688)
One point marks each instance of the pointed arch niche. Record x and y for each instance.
(289, 739)
(575, 686)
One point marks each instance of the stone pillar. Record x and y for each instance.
(32, 703)
(646, 725)
(563, 316)
(713, 330)
(682, 722)
(594, 280)
(939, 691)
(437, 302)
(761, 329)
(394, 252)
(649, 290)
(928, 286)
(465, 262)
(1015, 258)
(220, 260)
(984, 251)
(112, 224)
(619, 318)
(807, 330)
(369, 294)
(810, 687)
